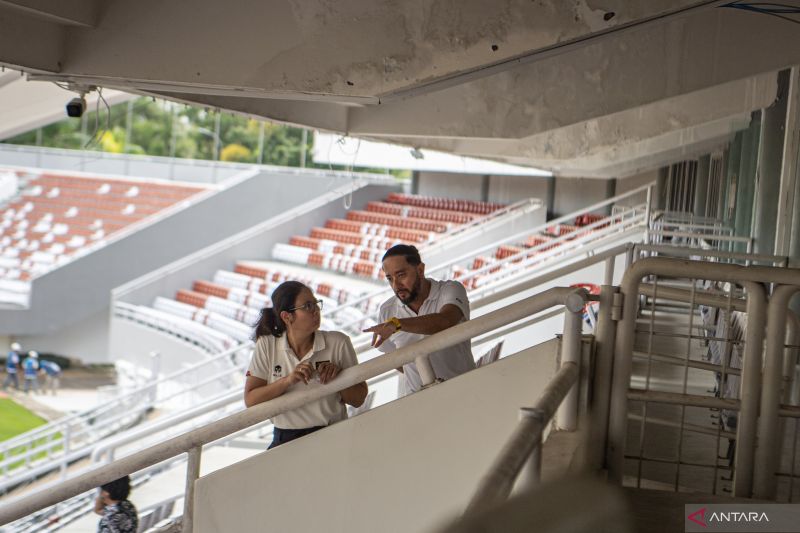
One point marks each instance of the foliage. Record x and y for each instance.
(235, 152)
(161, 128)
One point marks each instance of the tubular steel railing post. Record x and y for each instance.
(530, 475)
(790, 356)
(769, 437)
(426, 374)
(749, 394)
(601, 387)
(192, 474)
(647, 214)
(608, 273)
(498, 481)
(567, 417)
(65, 438)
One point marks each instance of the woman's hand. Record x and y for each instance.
(301, 372)
(327, 371)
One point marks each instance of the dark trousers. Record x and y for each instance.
(282, 436)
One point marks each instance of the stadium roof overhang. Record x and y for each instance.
(589, 87)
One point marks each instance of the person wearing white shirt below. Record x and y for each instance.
(421, 306)
(291, 352)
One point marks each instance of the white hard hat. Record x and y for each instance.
(15, 346)
(33, 354)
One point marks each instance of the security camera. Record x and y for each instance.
(76, 107)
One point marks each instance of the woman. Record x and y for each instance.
(291, 352)
(119, 514)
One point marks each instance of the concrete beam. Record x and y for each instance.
(656, 132)
(352, 48)
(72, 12)
(34, 43)
(620, 72)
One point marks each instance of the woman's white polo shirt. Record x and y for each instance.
(274, 359)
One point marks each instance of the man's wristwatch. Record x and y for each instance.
(396, 323)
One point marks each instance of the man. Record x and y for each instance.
(119, 514)
(421, 306)
(30, 367)
(12, 366)
(52, 372)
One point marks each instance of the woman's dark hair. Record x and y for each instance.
(405, 250)
(283, 298)
(118, 489)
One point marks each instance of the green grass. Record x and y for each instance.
(15, 419)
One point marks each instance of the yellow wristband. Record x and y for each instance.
(396, 323)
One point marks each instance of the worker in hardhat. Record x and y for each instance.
(13, 366)
(30, 367)
(52, 376)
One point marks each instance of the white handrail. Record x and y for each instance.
(511, 239)
(49, 431)
(291, 400)
(521, 261)
(497, 483)
(479, 221)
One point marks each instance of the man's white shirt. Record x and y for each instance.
(446, 363)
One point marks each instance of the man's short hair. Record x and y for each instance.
(119, 489)
(405, 250)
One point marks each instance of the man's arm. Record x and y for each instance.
(355, 395)
(447, 317)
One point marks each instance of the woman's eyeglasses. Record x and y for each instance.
(308, 307)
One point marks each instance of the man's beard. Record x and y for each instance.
(413, 293)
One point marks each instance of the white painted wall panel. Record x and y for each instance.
(405, 466)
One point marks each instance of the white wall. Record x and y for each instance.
(631, 182)
(509, 189)
(461, 186)
(575, 193)
(405, 466)
(134, 343)
(86, 340)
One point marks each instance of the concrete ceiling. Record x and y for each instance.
(597, 88)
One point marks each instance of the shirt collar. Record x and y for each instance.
(283, 344)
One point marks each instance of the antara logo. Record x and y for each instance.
(699, 517)
(701, 520)
(737, 516)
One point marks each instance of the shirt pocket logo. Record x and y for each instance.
(277, 371)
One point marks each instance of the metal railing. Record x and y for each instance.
(748, 460)
(512, 268)
(523, 449)
(54, 446)
(445, 268)
(193, 441)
